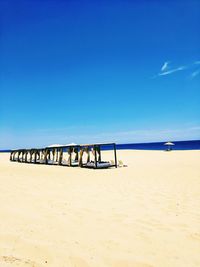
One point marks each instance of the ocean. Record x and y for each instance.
(178, 145)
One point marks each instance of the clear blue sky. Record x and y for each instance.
(86, 71)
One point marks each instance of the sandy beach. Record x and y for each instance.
(143, 215)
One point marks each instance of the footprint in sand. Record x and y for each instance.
(195, 236)
(9, 261)
(23, 253)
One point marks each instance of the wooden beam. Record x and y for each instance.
(95, 156)
(61, 156)
(115, 155)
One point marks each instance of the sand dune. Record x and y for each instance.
(143, 215)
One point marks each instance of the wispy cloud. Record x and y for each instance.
(195, 73)
(166, 69)
(136, 136)
(172, 71)
(165, 66)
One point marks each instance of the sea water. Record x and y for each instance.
(178, 145)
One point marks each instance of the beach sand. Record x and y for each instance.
(143, 215)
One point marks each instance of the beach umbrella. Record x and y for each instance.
(169, 144)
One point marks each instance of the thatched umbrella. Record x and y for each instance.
(169, 144)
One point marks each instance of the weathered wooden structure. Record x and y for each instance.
(69, 155)
(94, 156)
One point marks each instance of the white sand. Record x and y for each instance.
(145, 215)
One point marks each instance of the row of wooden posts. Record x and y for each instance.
(54, 155)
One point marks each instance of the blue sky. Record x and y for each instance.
(86, 71)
